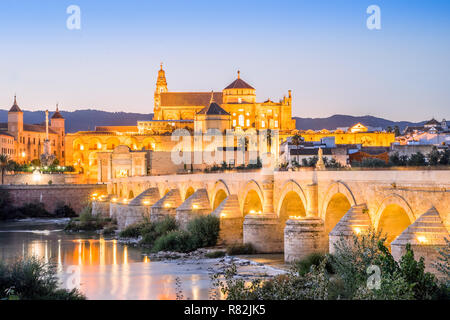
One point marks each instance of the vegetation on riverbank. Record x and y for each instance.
(32, 279)
(89, 222)
(345, 275)
(31, 210)
(165, 235)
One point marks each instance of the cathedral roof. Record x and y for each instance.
(432, 122)
(57, 115)
(175, 99)
(239, 84)
(213, 108)
(15, 107)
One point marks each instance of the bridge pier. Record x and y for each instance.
(195, 206)
(166, 206)
(101, 207)
(425, 235)
(263, 230)
(139, 208)
(231, 221)
(355, 221)
(303, 237)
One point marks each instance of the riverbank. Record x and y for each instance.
(109, 268)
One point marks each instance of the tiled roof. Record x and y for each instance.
(175, 99)
(432, 122)
(57, 115)
(213, 109)
(5, 133)
(15, 107)
(37, 128)
(30, 127)
(239, 84)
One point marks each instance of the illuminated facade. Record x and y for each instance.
(357, 134)
(24, 143)
(238, 99)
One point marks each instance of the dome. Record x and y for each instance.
(239, 84)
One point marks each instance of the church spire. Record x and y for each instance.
(212, 97)
(15, 106)
(239, 74)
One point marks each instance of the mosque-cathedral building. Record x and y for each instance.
(234, 108)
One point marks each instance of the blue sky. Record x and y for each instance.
(321, 50)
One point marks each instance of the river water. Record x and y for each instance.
(100, 267)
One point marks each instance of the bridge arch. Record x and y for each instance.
(337, 201)
(219, 192)
(393, 216)
(252, 199)
(292, 201)
(189, 191)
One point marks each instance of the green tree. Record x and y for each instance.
(4, 163)
(445, 157)
(434, 156)
(417, 159)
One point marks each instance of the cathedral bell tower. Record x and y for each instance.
(161, 87)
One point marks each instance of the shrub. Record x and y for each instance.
(87, 221)
(237, 249)
(204, 231)
(443, 262)
(109, 229)
(164, 226)
(291, 286)
(370, 163)
(32, 279)
(152, 231)
(134, 230)
(176, 240)
(314, 259)
(405, 279)
(215, 254)
(86, 214)
(64, 211)
(33, 210)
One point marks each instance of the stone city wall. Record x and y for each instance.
(52, 195)
(44, 179)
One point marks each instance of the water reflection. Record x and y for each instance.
(107, 269)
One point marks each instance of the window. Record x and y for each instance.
(276, 123)
(234, 123)
(241, 120)
(240, 100)
(263, 124)
(248, 122)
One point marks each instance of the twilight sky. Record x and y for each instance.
(322, 50)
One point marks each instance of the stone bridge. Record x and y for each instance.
(295, 212)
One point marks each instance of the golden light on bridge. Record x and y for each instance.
(295, 217)
(422, 239)
(167, 205)
(114, 200)
(357, 230)
(195, 206)
(146, 202)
